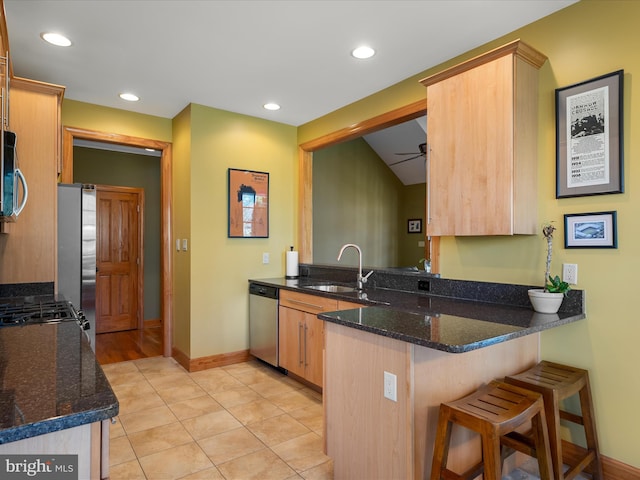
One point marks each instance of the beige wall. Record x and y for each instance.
(588, 39)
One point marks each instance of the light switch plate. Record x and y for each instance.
(184, 245)
(265, 258)
(177, 244)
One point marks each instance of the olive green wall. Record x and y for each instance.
(221, 266)
(412, 205)
(181, 176)
(585, 40)
(113, 120)
(356, 199)
(104, 167)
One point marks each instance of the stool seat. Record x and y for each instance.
(556, 382)
(495, 411)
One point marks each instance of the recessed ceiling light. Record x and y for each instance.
(363, 52)
(129, 97)
(271, 106)
(55, 39)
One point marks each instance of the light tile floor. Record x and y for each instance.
(244, 421)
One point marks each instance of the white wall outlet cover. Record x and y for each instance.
(570, 273)
(265, 258)
(390, 386)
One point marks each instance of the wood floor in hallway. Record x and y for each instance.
(128, 345)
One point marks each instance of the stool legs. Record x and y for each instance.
(557, 382)
(443, 438)
(588, 420)
(495, 412)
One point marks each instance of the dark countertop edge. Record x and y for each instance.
(457, 348)
(57, 424)
(281, 283)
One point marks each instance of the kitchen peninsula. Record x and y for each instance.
(440, 338)
(54, 396)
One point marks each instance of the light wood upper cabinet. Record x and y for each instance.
(482, 144)
(28, 245)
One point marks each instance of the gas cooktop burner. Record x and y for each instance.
(37, 309)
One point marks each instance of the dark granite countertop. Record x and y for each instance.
(453, 315)
(50, 380)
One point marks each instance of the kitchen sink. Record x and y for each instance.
(331, 288)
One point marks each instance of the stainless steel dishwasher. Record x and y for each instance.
(263, 322)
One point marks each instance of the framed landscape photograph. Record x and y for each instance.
(589, 129)
(591, 230)
(248, 204)
(414, 225)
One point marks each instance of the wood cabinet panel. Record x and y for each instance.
(482, 145)
(291, 323)
(28, 245)
(301, 334)
(370, 436)
(307, 303)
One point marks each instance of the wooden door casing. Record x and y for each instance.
(119, 258)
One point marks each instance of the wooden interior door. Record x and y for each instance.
(119, 258)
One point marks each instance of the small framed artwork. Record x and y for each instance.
(248, 204)
(590, 230)
(414, 225)
(589, 128)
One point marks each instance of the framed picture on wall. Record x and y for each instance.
(248, 197)
(591, 230)
(414, 225)
(589, 128)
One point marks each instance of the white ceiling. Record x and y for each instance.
(391, 145)
(237, 55)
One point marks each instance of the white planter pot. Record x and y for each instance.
(545, 302)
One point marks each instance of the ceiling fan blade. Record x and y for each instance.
(406, 160)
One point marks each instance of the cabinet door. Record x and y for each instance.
(314, 344)
(290, 340)
(27, 254)
(470, 163)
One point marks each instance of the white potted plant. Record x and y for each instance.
(549, 298)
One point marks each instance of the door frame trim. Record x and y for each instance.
(305, 173)
(69, 134)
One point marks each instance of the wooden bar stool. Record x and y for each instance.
(494, 411)
(556, 382)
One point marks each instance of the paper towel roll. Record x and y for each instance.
(292, 265)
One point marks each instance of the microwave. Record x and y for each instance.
(11, 202)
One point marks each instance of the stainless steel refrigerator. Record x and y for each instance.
(77, 249)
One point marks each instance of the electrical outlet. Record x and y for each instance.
(390, 386)
(570, 273)
(265, 258)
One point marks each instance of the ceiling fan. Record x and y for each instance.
(422, 153)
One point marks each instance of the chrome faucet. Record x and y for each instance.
(361, 279)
